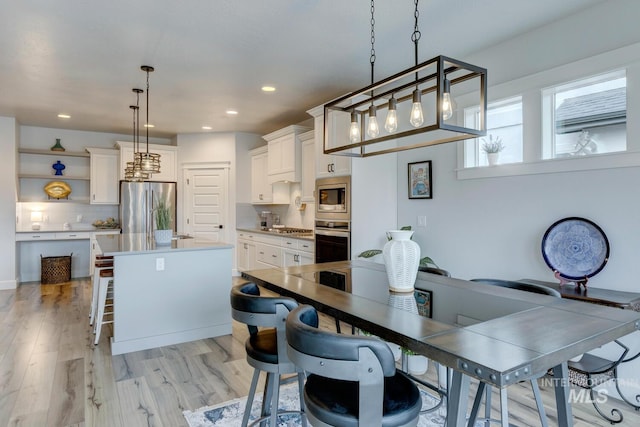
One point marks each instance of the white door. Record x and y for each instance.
(205, 203)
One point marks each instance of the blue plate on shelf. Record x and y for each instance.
(575, 248)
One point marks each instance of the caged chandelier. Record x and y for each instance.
(423, 105)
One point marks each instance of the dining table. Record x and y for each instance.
(498, 336)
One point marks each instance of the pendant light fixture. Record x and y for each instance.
(133, 171)
(373, 130)
(149, 162)
(419, 103)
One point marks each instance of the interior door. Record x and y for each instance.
(205, 203)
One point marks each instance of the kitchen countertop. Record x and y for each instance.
(139, 243)
(275, 233)
(60, 229)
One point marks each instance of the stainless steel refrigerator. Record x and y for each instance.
(137, 203)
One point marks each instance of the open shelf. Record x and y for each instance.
(53, 153)
(53, 177)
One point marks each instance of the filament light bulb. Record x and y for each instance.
(447, 105)
(416, 118)
(354, 129)
(391, 123)
(372, 128)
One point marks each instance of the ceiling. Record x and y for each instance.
(83, 57)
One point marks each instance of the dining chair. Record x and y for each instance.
(352, 379)
(266, 348)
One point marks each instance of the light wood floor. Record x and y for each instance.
(52, 375)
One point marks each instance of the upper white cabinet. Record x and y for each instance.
(262, 191)
(168, 160)
(284, 154)
(308, 165)
(104, 176)
(327, 164)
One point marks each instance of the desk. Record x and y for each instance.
(521, 335)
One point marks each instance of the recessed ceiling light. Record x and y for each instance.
(206, 127)
(64, 116)
(268, 89)
(232, 112)
(149, 125)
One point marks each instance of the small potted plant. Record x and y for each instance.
(163, 232)
(493, 147)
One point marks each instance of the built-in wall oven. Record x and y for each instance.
(333, 219)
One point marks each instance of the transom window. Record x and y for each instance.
(504, 124)
(585, 117)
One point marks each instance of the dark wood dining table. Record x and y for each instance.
(498, 336)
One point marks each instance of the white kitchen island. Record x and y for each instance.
(166, 295)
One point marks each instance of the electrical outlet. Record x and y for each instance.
(159, 264)
(422, 221)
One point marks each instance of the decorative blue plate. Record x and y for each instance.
(575, 248)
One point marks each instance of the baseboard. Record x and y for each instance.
(6, 285)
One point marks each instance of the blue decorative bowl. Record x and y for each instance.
(575, 248)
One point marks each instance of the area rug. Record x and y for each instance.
(229, 414)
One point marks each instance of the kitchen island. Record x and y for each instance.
(170, 294)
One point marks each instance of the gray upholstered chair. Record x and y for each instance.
(527, 287)
(266, 348)
(521, 286)
(353, 380)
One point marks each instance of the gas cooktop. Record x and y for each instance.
(291, 230)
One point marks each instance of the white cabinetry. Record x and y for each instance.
(268, 251)
(246, 251)
(262, 192)
(259, 250)
(327, 164)
(168, 160)
(284, 152)
(297, 252)
(308, 165)
(104, 176)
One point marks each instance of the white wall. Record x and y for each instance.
(9, 135)
(493, 227)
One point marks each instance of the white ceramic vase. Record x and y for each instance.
(163, 237)
(401, 259)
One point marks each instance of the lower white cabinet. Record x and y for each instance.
(297, 252)
(258, 250)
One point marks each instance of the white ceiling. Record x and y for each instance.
(83, 57)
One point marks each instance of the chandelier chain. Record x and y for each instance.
(415, 36)
(372, 58)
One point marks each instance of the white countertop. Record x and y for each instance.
(60, 229)
(138, 243)
(275, 233)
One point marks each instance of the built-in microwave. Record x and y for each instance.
(333, 198)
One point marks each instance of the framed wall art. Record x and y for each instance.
(420, 184)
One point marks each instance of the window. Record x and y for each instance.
(504, 121)
(585, 117)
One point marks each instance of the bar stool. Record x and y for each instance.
(105, 290)
(353, 379)
(102, 262)
(266, 348)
